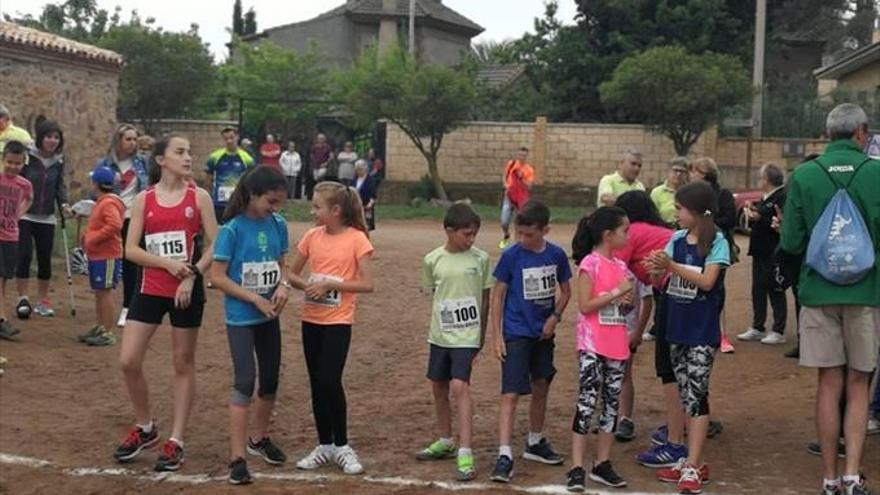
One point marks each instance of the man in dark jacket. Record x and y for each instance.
(762, 246)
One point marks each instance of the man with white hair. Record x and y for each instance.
(839, 327)
(10, 132)
(625, 179)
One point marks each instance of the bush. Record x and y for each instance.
(424, 189)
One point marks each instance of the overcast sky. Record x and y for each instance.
(502, 19)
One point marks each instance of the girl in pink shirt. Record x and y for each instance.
(604, 288)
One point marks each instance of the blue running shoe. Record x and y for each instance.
(660, 456)
(660, 435)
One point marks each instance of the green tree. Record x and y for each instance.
(165, 74)
(677, 93)
(237, 19)
(280, 86)
(250, 22)
(425, 101)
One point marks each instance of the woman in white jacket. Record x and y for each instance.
(291, 164)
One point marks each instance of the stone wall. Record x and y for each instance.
(204, 137)
(569, 159)
(80, 96)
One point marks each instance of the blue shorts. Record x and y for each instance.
(105, 274)
(527, 359)
(446, 363)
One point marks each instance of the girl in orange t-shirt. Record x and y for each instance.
(338, 253)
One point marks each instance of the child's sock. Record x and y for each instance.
(463, 452)
(852, 479)
(447, 442)
(147, 428)
(535, 438)
(505, 450)
(826, 483)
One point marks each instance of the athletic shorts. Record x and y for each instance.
(662, 360)
(152, 309)
(527, 359)
(8, 259)
(105, 274)
(446, 363)
(839, 335)
(218, 212)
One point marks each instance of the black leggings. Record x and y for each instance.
(264, 340)
(326, 348)
(41, 235)
(130, 271)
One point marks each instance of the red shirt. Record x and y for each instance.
(14, 190)
(644, 238)
(270, 154)
(169, 232)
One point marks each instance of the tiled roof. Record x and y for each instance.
(499, 76)
(13, 34)
(864, 57)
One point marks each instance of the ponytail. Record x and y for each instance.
(700, 200)
(582, 242)
(349, 202)
(591, 228)
(256, 181)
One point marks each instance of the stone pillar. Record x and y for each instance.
(539, 149)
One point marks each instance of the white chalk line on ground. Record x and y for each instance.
(200, 479)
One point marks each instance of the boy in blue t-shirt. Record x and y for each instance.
(225, 167)
(525, 312)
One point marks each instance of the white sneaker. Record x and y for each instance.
(320, 456)
(873, 426)
(348, 460)
(648, 337)
(123, 315)
(773, 338)
(751, 335)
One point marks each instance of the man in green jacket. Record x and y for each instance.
(839, 323)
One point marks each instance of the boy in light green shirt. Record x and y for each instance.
(459, 275)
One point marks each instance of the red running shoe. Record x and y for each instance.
(726, 346)
(691, 482)
(171, 457)
(135, 442)
(673, 474)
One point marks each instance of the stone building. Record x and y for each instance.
(75, 84)
(341, 34)
(858, 72)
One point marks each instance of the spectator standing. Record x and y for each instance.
(346, 158)
(320, 156)
(270, 152)
(626, 178)
(10, 132)
(291, 165)
(664, 195)
(366, 187)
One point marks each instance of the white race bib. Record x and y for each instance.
(459, 314)
(260, 276)
(333, 297)
(539, 282)
(224, 193)
(681, 288)
(171, 245)
(612, 315)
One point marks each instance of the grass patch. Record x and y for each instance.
(300, 211)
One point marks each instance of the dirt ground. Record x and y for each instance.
(66, 403)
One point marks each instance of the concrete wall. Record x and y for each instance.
(867, 79)
(440, 47)
(80, 97)
(333, 37)
(569, 158)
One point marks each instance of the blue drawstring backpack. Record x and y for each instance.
(841, 249)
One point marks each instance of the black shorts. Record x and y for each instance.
(218, 212)
(446, 363)
(662, 359)
(151, 309)
(8, 259)
(527, 359)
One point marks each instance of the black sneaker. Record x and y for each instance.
(23, 309)
(503, 471)
(238, 473)
(135, 442)
(267, 450)
(577, 480)
(171, 457)
(855, 488)
(605, 474)
(626, 430)
(542, 452)
(816, 449)
(715, 429)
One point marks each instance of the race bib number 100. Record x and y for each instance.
(170, 245)
(459, 314)
(681, 288)
(333, 297)
(260, 276)
(539, 282)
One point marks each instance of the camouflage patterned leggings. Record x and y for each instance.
(598, 374)
(693, 366)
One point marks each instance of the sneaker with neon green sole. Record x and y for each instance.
(105, 337)
(436, 451)
(92, 332)
(465, 470)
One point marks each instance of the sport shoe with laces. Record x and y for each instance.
(8, 332)
(577, 480)
(773, 338)
(673, 474)
(171, 457)
(319, 456)
(436, 451)
(690, 482)
(103, 337)
(542, 452)
(503, 471)
(44, 308)
(504, 243)
(626, 430)
(464, 469)
(726, 346)
(604, 473)
(815, 449)
(135, 442)
(751, 335)
(238, 472)
(831, 490)
(23, 309)
(855, 488)
(347, 459)
(660, 435)
(267, 450)
(661, 456)
(95, 330)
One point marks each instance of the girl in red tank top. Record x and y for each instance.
(167, 217)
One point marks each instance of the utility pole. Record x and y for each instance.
(412, 27)
(758, 76)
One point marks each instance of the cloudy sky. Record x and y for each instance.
(502, 19)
